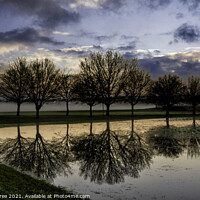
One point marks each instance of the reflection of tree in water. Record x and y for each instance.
(192, 141)
(104, 159)
(98, 157)
(65, 143)
(13, 151)
(136, 153)
(44, 158)
(165, 141)
(193, 145)
(194, 121)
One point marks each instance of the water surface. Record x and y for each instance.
(141, 159)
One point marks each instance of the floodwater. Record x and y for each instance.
(141, 159)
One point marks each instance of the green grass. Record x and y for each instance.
(14, 182)
(58, 117)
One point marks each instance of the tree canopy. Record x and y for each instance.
(193, 91)
(166, 91)
(65, 90)
(135, 83)
(42, 82)
(13, 82)
(107, 71)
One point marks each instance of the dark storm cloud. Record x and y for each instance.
(167, 33)
(179, 15)
(153, 66)
(180, 64)
(127, 37)
(26, 36)
(74, 53)
(129, 47)
(83, 52)
(187, 33)
(93, 35)
(47, 13)
(154, 4)
(130, 55)
(112, 4)
(101, 38)
(191, 4)
(97, 47)
(85, 34)
(133, 54)
(156, 51)
(78, 53)
(126, 48)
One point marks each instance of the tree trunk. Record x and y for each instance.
(194, 122)
(37, 129)
(167, 116)
(91, 128)
(67, 107)
(194, 109)
(132, 127)
(20, 145)
(18, 131)
(167, 111)
(107, 109)
(37, 112)
(167, 122)
(132, 109)
(67, 134)
(18, 109)
(108, 125)
(90, 110)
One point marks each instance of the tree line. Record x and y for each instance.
(103, 78)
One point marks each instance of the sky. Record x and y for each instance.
(163, 34)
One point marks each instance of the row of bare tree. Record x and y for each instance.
(103, 78)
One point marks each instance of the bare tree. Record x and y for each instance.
(166, 91)
(136, 83)
(193, 92)
(42, 82)
(13, 83)
(85, 90)
(65, 89)
(107, 70)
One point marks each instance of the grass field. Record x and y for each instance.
(14, 185)
(57, 117)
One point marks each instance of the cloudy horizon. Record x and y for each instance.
(163, 34)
